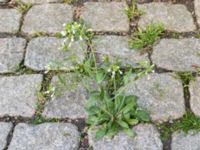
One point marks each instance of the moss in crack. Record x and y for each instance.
(187, 123)
(186, 77)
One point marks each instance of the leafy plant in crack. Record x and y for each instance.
(146, 38)
(186, 77)
(107, 107)
(187, 123)
(132, 11)
(23, 7)
(111, 116)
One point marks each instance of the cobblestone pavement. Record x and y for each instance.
(28, 44)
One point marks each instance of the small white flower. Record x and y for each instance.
(64, 24)
(63, 33)
(120, 72)
(113, 74)
(81, 38)
(109, 70)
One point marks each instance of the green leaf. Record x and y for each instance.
(126, 77)
(130, 132)
(119, 102)
(101, 133)
(123, 124)
(142, 115)
(100, 77)
(112, 131)
(132, 121)
(131, 100)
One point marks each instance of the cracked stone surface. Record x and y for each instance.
(106, 17)
(9, 20)
(41, 18)
(4, 131)
(47, 136)
(197, 10)
(161, 95)
(44, 53)
(194, 89)
(147, 138)
(183, 141)
(11, 53)
(177, 54)
(18, 95)
(174, 17)
(117, 48)
(69, 102)
(42, 1)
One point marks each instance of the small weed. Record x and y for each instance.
(146, 38)
(186, 77)
(23, 7)
(188, 122)
(111, 116)
(185, 124)
(40, 119)
(42, 98)
(38, 34)
(132, 11)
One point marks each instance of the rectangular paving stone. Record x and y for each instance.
(9, 20)
(183, 141)
(161, 95)
(197, 10)
(47, 136)
(147, 138)
(174, 17)
(47, 18)
(194, 89)
(70, 102)
(177, 54)
(106, 16)
(117, 49)
(46, 51)
(18, 95)
(4, 131)
(11, 53)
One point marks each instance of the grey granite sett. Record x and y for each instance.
(117, 49)
(47, 18)
(45, 53)
(174, 17)
(106, 16)
(177, 54)
(47, 136)
(18, 95)
(9, 20)
(11, 53)
(147, 138)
